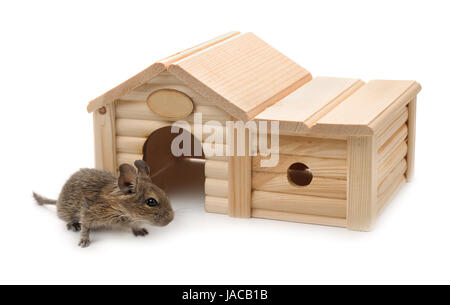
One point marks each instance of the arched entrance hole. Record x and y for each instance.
(182, 177)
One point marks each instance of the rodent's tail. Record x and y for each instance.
(42, 200)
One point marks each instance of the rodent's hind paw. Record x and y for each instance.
(76, 226)
(140, 232)
(84, 243)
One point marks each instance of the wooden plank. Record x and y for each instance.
(396, 172)
(243, 75)
(367, 109)
(126, 86)
(216, 169)
(390, 145)
(310, 219)
(389, 194)
(239, 179)
(411, 138)
(216, 187)
(362, 184)
(302, 204)
(128, 158)
(320, 167)
(391, 161)
(152, 71)
(105, 139)
(139, 111)
(138, 128)
(301, 109)
(321, 187)
(314, 147)
(216, 205)
(200, 47)
(131, 145)
(392, 128)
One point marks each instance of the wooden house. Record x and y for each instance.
(345, 146)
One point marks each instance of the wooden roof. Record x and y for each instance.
(340, 106)
(240, 73)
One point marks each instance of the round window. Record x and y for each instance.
(299, 174)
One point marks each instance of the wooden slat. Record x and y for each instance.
(320, 167)
(362, 184)
(398, 137)
(397, 171)
(216, 187)
(131, 145)
(138, 128)
(388, 194)
(368, 108)
(294, 217)
(152, 71)
(139, 111)
(128, 158)
(200, 47)
(105, 139)
(301, 109)
(308, 146)
(216, 169)
(210, 149)
(310, 205)
(243, 75)
(321, 187)
(239, 178)
(392, 128)
(391, 161)
(411, 138)
(216, 205)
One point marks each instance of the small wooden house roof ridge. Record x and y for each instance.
(240, 73)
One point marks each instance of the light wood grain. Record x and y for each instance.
(128, 158)
(216, 187)
(138, 128)
(309, 205)
(216, 169)
(308, 146)
(239, 179)
(395, 173)
(105, 139)
(391, 144)
(243, 75)
(301, 109)
(368, 108)
(389, 194)
(392, 128)
(321, 187)
(362, 184)
(140, 111)
(309, 219)
(216, 205)
(320, 167)
(169, 103)
(131, 145)
(411, 138)
(391, 161)
(150, 72)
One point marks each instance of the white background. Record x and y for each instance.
(55, 57)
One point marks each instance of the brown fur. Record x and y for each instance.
(93, 199)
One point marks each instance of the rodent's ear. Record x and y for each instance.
(127, 178)
(142, 167)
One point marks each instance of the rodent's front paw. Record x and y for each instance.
(140, 232)
(84, 243)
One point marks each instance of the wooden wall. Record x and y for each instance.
(134, 122)
(321, 202)
(392, 151)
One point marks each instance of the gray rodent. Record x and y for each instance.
(93, 199)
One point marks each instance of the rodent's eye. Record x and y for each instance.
(151, 202)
